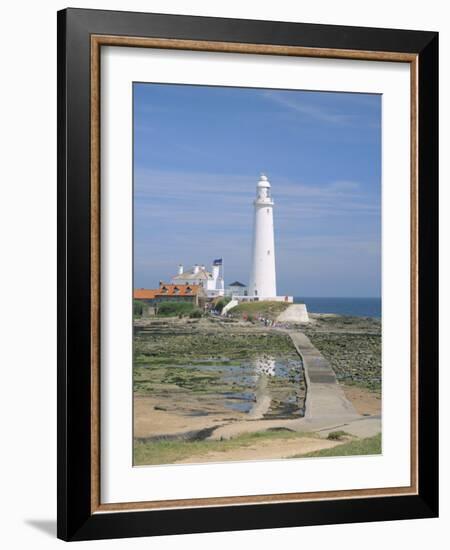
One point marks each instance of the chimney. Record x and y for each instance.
(180, 269)
(196, 269)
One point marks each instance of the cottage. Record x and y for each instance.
(210, 281)
(170, 292)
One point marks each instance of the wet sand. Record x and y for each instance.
(364, 401)
(177, 418)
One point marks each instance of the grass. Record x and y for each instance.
(367, 446)
(169, 452)
(174, 309)
(138, 308)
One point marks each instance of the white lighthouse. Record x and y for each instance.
(263, 284)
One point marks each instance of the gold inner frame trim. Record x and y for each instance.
(97, 41)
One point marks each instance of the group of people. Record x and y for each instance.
(266, 322)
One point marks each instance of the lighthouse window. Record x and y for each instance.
(268, 252)
(268, 210)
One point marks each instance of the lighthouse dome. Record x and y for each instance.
(263, 181)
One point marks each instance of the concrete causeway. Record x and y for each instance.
(325, 398)
(295, 313)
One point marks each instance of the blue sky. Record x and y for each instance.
(198, 153)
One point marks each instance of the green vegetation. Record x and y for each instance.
(367, 446)
(269, 310)
(169, 452)
(175, 309)
(162, 347)
(338, 435)
(138, 308)
(158, 380)
(196, 313)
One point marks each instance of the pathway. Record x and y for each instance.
(325, 399)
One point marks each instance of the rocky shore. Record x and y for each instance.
(352, 345)
(194, 376)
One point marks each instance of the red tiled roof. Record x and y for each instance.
(166, 290)
(144, 294)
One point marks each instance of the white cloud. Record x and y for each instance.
(194, 217)
(218, 202)
(313, 111)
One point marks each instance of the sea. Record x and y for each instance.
(355, 307)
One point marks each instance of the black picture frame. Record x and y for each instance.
(75, 518)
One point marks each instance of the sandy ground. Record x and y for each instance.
(364, 401)
(265, 450)
(149, 421)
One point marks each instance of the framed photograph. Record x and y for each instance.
(247, 274)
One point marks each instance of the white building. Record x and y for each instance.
(211, 281)
(236, 289)
(263, 280)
